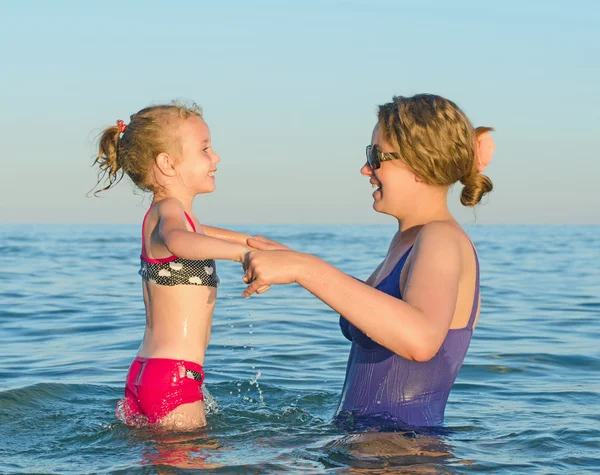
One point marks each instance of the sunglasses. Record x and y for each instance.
(376, 156)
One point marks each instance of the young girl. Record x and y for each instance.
(167, 151)
(411, 322)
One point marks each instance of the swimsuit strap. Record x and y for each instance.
(477, 283)
(144, 225)
(190, 221)
(476, 293)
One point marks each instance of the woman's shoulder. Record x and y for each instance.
(444, 245)
(442, 233)
(442, 242)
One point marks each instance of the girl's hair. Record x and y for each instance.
(133, 150)
(437, 141)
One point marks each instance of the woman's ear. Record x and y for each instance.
(485, 150)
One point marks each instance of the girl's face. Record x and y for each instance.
(396, 184)
(198, 161)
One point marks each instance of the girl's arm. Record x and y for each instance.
(414, 327)
(179, 241)
(226, 234)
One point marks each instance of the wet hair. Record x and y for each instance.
(437, 142)
(150, 131)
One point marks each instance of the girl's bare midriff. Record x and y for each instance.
(178, 321)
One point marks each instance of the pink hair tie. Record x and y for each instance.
(121, 126)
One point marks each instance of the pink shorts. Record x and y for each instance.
(156, 386)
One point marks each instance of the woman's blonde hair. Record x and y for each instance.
(132, 151)
(437, 141)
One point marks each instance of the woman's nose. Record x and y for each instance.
(366, 170)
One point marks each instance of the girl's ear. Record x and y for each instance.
(164, 163)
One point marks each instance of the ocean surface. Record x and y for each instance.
(527, 400)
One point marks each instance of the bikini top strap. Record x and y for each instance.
(190, 221)
(476, 293)
(144, 225)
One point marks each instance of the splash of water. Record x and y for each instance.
(210, 403)
(129, 417)
(254, 381)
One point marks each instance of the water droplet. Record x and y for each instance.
(254, 381)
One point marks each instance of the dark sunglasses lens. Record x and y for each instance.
(372, 158)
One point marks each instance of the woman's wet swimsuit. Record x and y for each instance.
(385, 390)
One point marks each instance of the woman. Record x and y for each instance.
(411, 322)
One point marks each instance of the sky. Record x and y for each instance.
(290, 92)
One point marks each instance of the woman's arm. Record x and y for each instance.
(179, 241)
(414, 327)
(265, 244)
(242, 238)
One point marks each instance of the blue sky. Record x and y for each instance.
(290, 92)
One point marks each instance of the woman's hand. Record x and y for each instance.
(263, 244)
(264, 268)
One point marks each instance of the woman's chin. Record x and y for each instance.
(378, 205)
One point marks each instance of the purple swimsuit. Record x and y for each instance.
(385, 390)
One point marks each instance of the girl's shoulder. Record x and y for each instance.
(167, 205)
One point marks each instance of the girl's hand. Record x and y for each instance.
(264, 268)
(241, 254)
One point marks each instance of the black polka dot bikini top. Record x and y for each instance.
(175, 270)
